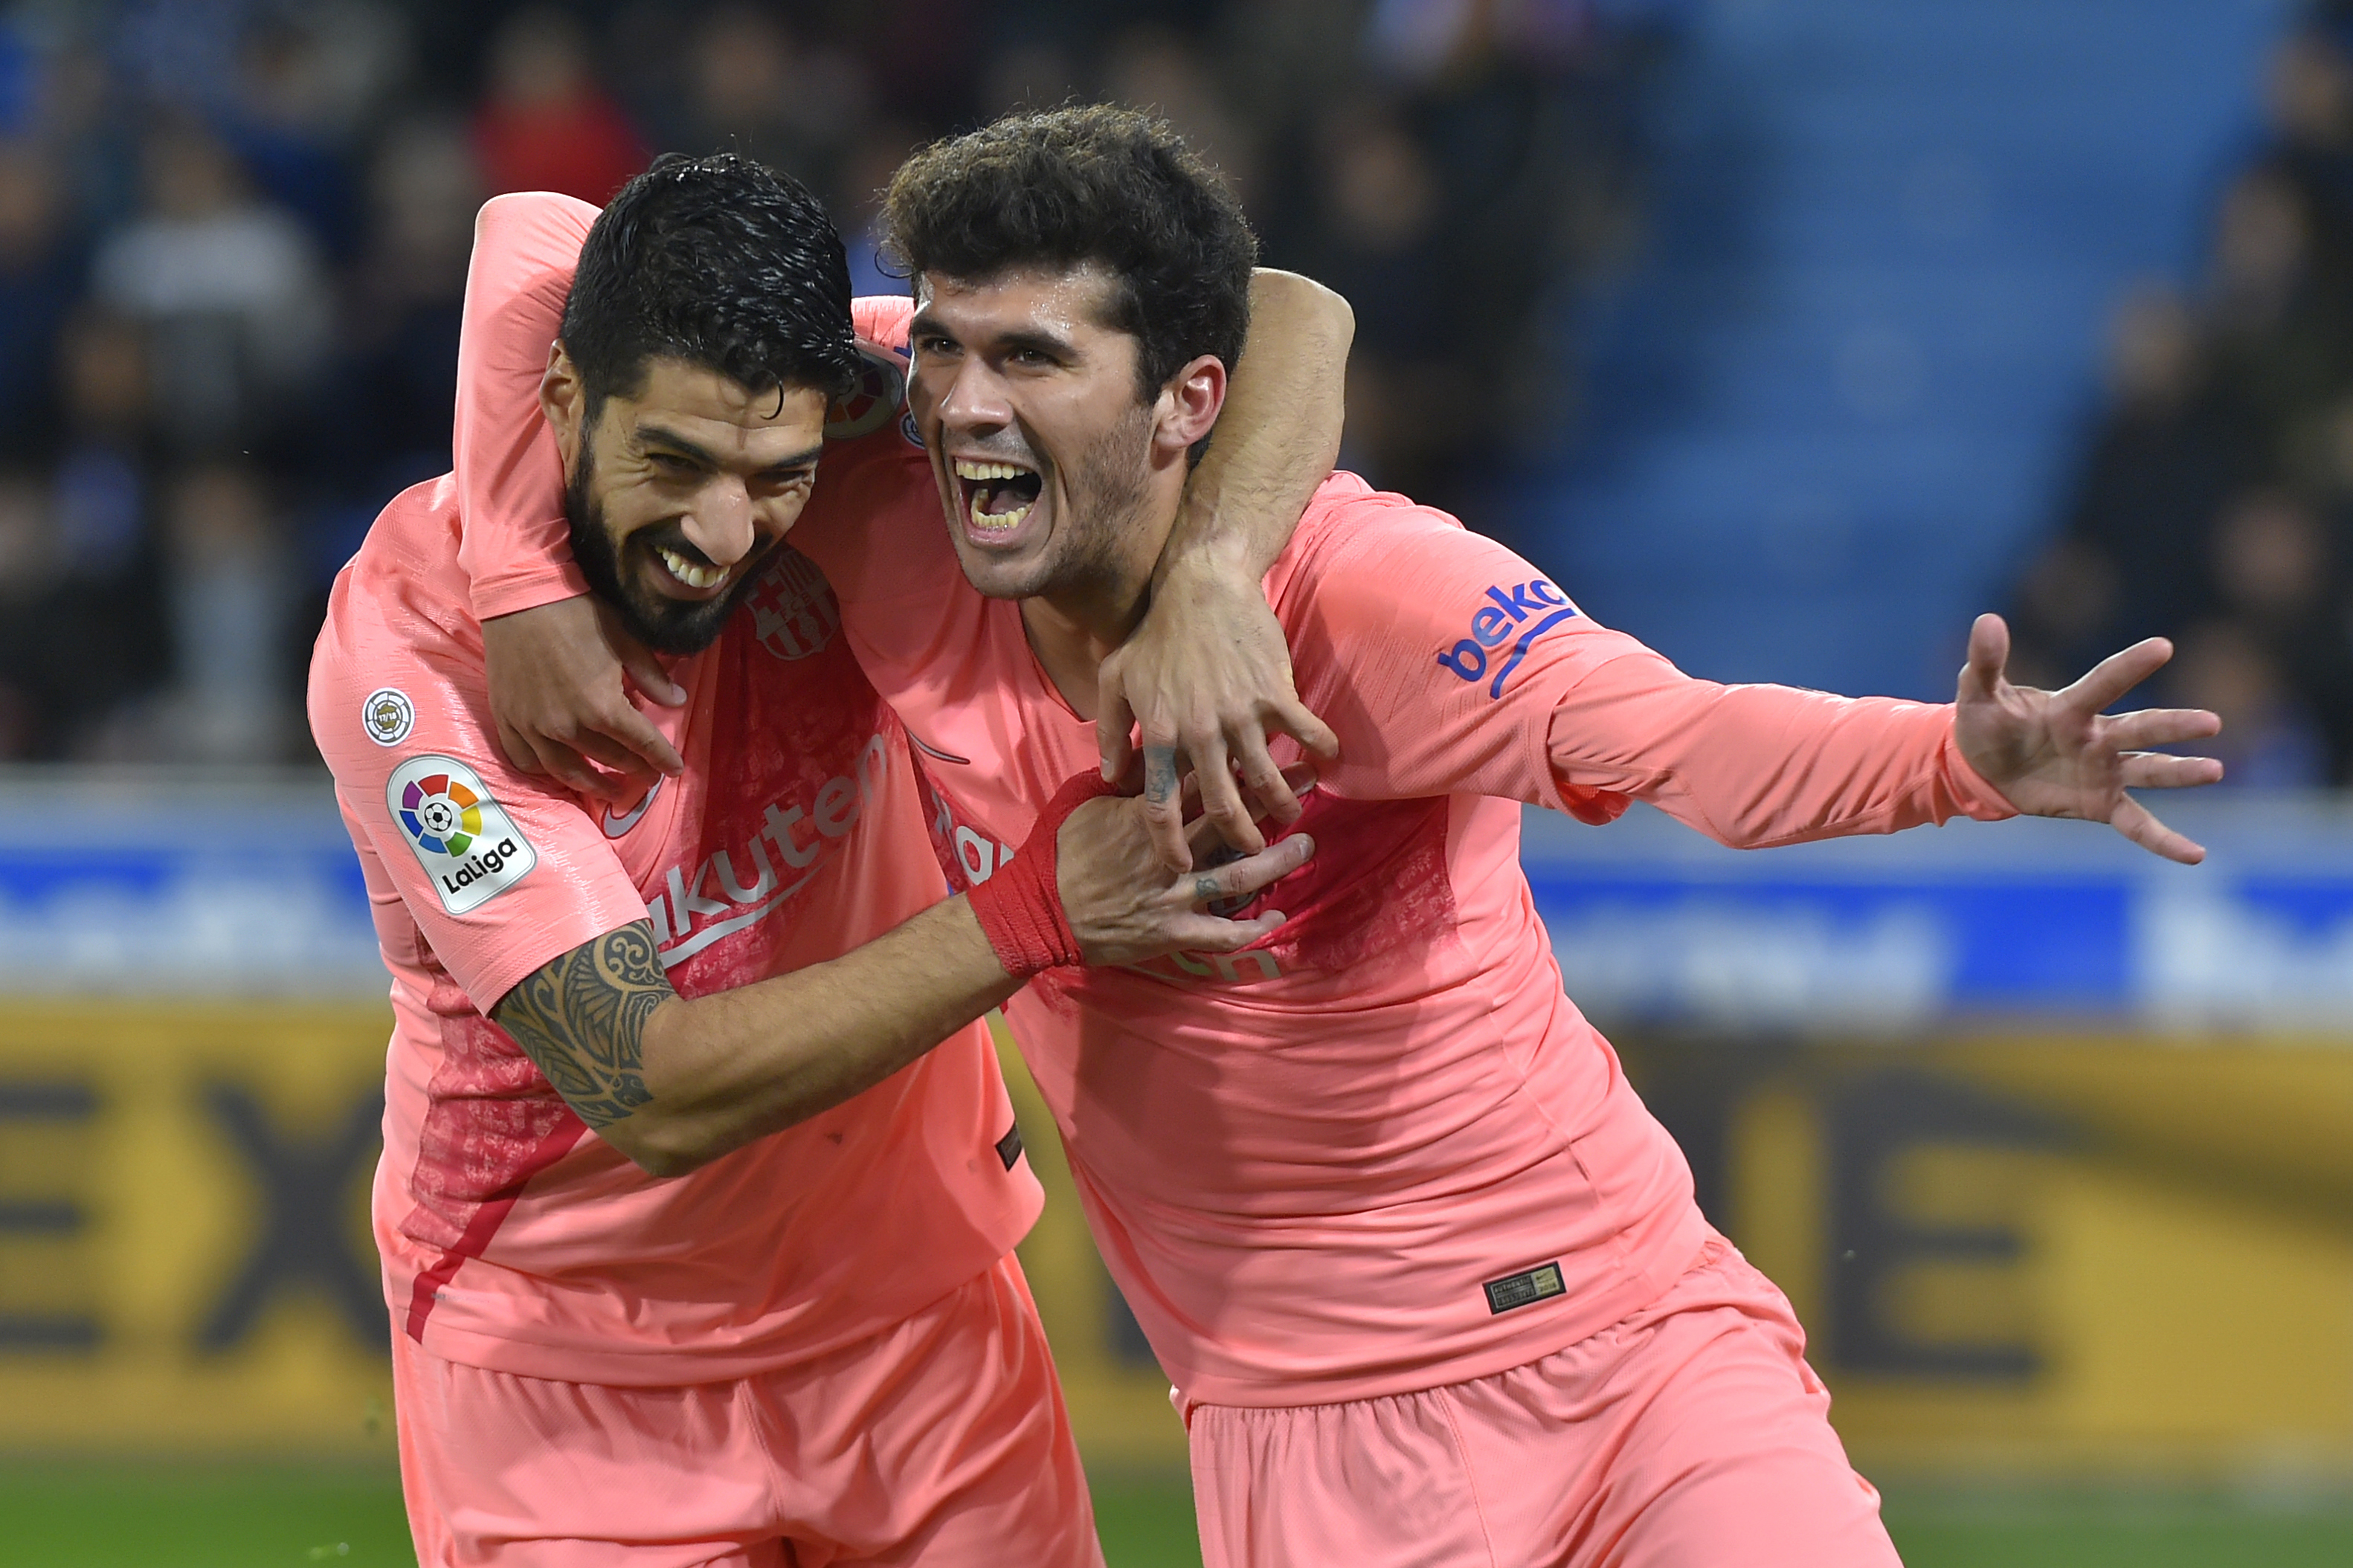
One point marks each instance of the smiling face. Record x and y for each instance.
(679, 489)
(1057, 478)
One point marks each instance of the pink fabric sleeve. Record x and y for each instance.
(514, 545)
(576, 890)
(1485, 678)
(394, 623)
(1753, 766)
(875, 512)
(882, 319)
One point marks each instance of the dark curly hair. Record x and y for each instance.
(1075, 184)
(718, 261)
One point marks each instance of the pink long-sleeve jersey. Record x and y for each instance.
(1382, 1150)
(512, 1238)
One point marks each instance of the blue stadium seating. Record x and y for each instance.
(1838, 398)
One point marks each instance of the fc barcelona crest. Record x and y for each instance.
(793, 611)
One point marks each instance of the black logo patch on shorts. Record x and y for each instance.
(1537, 1284)
(1008, 1149)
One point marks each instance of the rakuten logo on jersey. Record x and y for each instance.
(1516, 616)
(728, 890)
(976, 855)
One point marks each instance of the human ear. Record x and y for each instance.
(563, 398)
(1190, 401)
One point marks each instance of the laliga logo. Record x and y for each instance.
(445, 816)
(882, 389)
(463, 839)
(1492, 626)
(794, 613)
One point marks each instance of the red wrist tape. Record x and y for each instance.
(1020, 906)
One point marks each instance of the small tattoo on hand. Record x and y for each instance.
(1159, 773)
(1205, 890)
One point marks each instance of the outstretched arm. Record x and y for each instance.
(675, 1083)
(1754, 766)
(1449, 664)
(1206, 675)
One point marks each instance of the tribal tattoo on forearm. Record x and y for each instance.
(582, 1020)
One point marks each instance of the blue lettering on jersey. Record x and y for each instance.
(1493, 624)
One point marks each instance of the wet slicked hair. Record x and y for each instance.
(1095, 184)
(718, 261)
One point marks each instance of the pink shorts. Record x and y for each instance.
(942, 1442)
(1694, 1434)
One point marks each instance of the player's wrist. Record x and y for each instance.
(1019, 907)
(1972, 792)
(1209, 546)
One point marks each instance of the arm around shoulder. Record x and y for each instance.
(675, 1083)
(555, 663)
(512, 540)
(1279, 433)
(1206, 675)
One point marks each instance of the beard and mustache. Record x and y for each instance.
(663, 623)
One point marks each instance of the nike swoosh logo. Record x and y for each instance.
(936, 752)
(615, 826)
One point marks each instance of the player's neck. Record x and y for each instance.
(1072, 632)
(1066, 652)
(1074, 626)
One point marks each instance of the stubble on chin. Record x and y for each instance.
(1109, 490)
(1100, 511)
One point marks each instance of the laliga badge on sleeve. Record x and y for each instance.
(881, 392)
(387, 716)
(464, 840)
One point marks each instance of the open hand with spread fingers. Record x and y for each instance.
(2059, 753)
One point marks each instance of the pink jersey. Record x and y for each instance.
(513, 1239)
(1382, 1151)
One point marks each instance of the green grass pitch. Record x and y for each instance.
(115, 1516)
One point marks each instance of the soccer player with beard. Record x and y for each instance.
(1428, 1277)
(697, 1237)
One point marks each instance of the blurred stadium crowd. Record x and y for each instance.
(2213, 499)
(234, 238)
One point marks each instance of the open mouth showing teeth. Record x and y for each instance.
(693, 573)
(997, 496)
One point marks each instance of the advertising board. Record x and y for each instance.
(2051, 1145)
